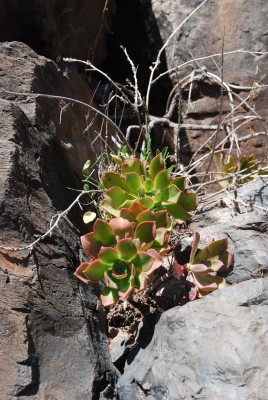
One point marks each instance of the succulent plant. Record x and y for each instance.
(245, 170)
(121, 254)
(204, 265)
(151, 185)
(138, 213)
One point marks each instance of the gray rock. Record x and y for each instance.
(244, 221)
(213, 348)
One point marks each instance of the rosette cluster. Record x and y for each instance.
(124, 253)
(152, 185)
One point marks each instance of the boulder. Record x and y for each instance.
(213, 348)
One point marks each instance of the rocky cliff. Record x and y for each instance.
(53, 334)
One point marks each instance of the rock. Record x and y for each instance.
(53, 342)
(213, 348)
(240, 26)
(246, 228)
(55, 29)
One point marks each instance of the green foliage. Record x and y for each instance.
(121, 253)
(205, 264)
(243, 171)
(140, 198)
(151, 184)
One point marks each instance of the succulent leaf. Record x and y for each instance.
(111, 179)
(170, 194)
(108, 255)
(213, 249)
(133, 182)
(179, 182)
(147, 202)
(162, 179)
(103, 232)
(188, 201)
(177, 212)
(95, 270)
(116, 197)
(109, 296)
(132, 165)
(122, 227)
(126, 249)
(90, 245)
(156, 165)
(146, 231)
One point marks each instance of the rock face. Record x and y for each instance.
(240, 26)
(244, 222)
(53, 340)
(58, 29)
(214, 348)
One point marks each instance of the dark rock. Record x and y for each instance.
(213, 348)
(58, 29)
(53, 341)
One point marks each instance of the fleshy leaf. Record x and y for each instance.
(177, 212)
(90, 245)
(141, 280)
(148, 185)
(131, 165)
(160, 238)
(214, 264)
(162, 179)
(146, 231)
(116, 159)
(211, 250)
(109, 209)
(179, 182)
(126, 249)
(79, 273)
(104, 233)
(147, 215)
(156, 165)
(157, 261)
(188, 201)
(122, 227)
(109, 296)
(170, 194)
(111, 179)
(147, 202)
(195, 244)
(208, 283)
(143, 261)
(133, 181)
(177, 270)
(136, 208)
(108, 255)
(161, 218)
(127, 214)
(198, 268)
(95, 270)
(116, 197)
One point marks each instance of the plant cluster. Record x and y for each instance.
(141, 199)
(242, 171)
